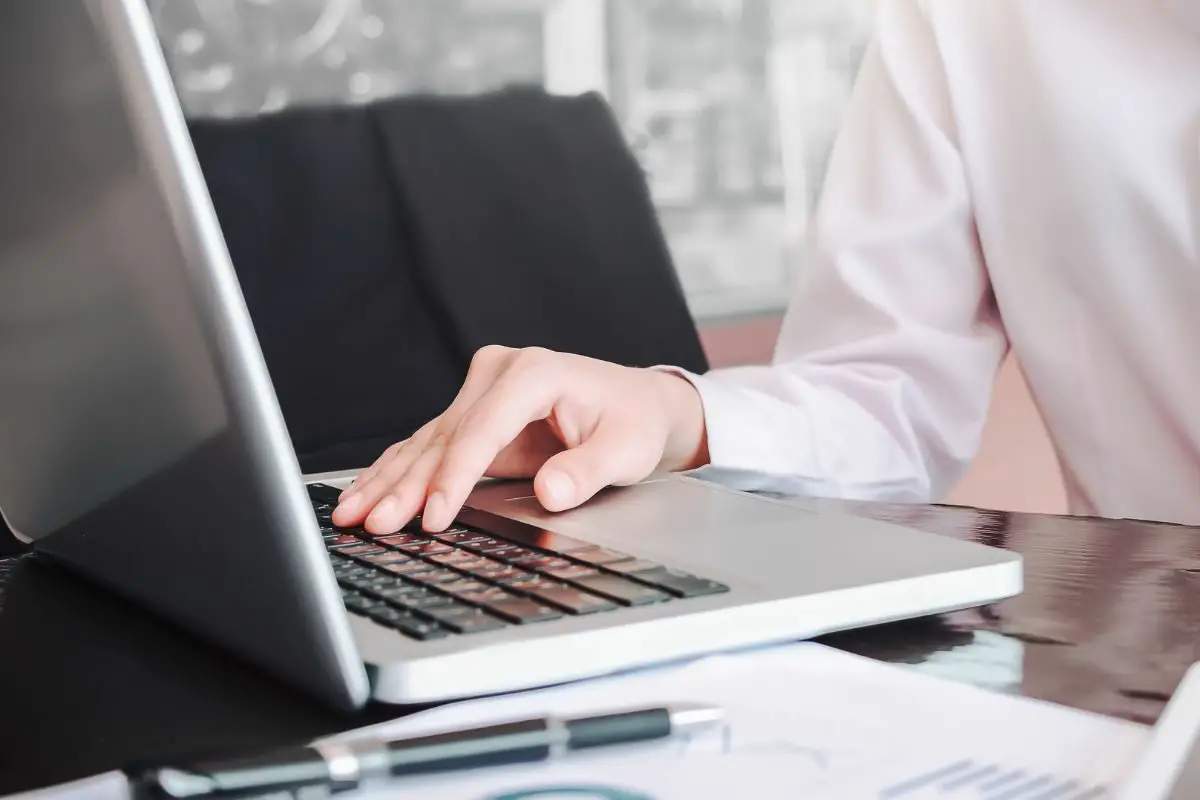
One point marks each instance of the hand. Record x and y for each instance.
(574, 424)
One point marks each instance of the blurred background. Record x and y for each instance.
(731, 105)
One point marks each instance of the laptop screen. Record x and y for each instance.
(141, 442)
(107, 371)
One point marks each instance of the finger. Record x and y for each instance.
(355, 507)
(360, 499)
(492, 424)
(614, 455)
(370, 472)
(401, 502)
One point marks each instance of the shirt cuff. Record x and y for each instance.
(748, 447)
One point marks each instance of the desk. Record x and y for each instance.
(1108, 623)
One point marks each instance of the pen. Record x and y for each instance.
(341, 767)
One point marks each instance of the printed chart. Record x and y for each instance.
(806, 722)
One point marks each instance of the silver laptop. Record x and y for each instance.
(141, 445)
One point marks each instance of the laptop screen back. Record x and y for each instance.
(107, 371)
(141, 442)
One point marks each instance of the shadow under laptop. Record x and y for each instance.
(89, 682)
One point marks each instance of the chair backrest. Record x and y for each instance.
(355, 351)
(379, 246)
(534, 226)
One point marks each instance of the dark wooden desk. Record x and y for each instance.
(1108, 623)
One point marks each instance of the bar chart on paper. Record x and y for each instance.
(879, 767)
(808, 722)
(970, 779)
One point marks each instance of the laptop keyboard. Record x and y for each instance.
(469, 579)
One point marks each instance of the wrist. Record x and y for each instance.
(686, 447)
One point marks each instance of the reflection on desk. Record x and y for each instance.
(1107, 623)
(7, 567)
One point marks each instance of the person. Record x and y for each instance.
(1010, 174)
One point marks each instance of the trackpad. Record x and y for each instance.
(686, 523)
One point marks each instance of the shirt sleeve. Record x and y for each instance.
(883, 372)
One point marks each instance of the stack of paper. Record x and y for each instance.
(804, 721)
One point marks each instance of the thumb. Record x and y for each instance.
(611, 456)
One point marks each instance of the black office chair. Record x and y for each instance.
(379, 246)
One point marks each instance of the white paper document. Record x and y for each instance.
(803, 721)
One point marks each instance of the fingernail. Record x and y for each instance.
(435, 507)
(560, 489)
(384, 512)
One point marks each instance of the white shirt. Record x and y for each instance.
(1020, 173)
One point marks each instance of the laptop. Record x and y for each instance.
(142, 448)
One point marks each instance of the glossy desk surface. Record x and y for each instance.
(1107, 623)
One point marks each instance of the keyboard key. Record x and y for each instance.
(461, 559)
(680, 583)
(347, 569)
(600, 556)
(463, 586)
(386, 557)
(570, 599)
(425, 600)
(425, 548)
(360, 604)
(509, 554)
(486, 545)
(622, 590)
(525, 583)
(464, 619)
(395, 540)
(343, 540)
(365, 558)
(518, 578)
(353, 600)
(381, 611)
(522, 611)
(636, 565)
(484, 596)
(540, 562)
(410, 568)
(571, 571)
(435, 577)
(366, 581)
(395, 587)
(460, 536)
(361, 549)
(499, 572)
(474, 567)
(407, 623)
(323, 493)
(397, 592)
